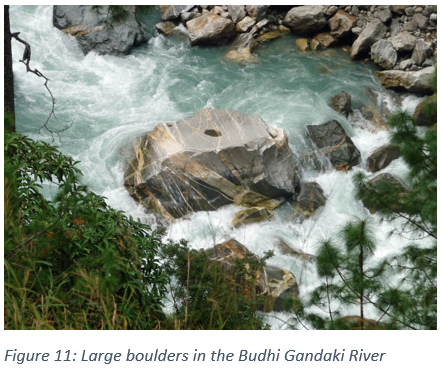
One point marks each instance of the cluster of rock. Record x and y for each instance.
(243, 25)
(278, 286)
(94, 28)
(399, 38)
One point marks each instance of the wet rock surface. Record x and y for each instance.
(335, 144)
(382, 157)
(210, 160)
(341, 103)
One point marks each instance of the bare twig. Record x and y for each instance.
(26, 61)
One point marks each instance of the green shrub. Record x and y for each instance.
(72, 262)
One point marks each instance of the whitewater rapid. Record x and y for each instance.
(112, 100)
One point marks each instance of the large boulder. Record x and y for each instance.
(374, 31)
(305, 20)
(421, 52)
(384, 54)
(341, 103)
(336, 145)
(210, 29)
(403, 42)
(97, 28)
(341, 23)
(241, 49)
(278, 286)
(209, 160)
(412, 81)
(382, 157)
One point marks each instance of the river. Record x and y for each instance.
(112, 100)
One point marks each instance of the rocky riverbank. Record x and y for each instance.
(398, 38)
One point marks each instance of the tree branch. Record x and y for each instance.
(26, 60)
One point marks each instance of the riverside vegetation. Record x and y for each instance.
(73, 262)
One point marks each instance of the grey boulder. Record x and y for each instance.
(403, 42)
(384, 54)
(374, 31)
(305, 20)
(335, 144)
(421, 52)
(94, 29)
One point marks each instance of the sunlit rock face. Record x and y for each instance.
(214, 158)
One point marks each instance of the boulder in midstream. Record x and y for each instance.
(212, 159)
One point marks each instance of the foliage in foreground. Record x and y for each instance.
(205, 295)
(403, 287)
(74, 262)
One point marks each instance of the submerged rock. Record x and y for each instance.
(341, 103)
(210, 29)
(305, 20)
(210, 160)
(95, 28)
(267, 36)
(382, 157)
(333, 141)
(286, 249)
(412, 81)
(302, 44)
(278, 286)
